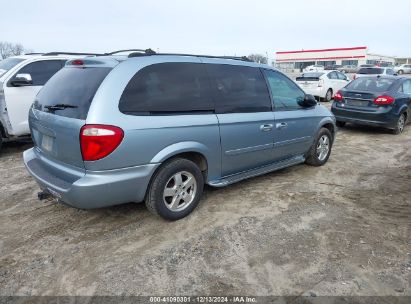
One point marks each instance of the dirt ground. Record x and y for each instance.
(341, 229)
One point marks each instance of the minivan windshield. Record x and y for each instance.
(370, 71)
(370, 84)
(70, 91)
(8, 63)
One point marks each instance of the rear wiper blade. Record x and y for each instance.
(59, 106)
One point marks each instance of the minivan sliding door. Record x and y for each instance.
(245, 116)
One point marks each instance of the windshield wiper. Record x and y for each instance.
(59, 106)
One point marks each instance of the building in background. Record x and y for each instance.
(402, 60)
(295, 61)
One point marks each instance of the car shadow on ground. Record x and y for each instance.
(138, 211)
(13, 147)
(365, 129)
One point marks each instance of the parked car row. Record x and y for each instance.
(376, 96)
(324, 84)
(402, 69)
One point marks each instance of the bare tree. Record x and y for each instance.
(4, 49)
(8, 49)
(17, 49)
(258, 58)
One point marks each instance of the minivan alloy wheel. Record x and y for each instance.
(323, 147)
(180, 191)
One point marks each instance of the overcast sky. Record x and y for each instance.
(208, 27)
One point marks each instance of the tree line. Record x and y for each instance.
(8, 49)
(258, 58)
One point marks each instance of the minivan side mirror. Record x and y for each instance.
(308, 101)
(21, 80)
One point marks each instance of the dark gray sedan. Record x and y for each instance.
(383, 101)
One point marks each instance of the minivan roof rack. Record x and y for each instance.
(70, 53)
(151, 52)
(139, 51)
(33, 53)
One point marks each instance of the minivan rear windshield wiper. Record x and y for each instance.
(59, 106)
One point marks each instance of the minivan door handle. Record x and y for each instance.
(281, 125)
(266, 127)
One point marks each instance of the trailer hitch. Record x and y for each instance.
(43, 195)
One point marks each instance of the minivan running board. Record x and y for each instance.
(255, 172)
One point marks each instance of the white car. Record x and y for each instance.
(403, 69)
(21, 78)
(314, 68)
(374, 71)
(322, 84)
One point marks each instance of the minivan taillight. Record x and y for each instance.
(98, 141)
(338, 96)
(384, 100)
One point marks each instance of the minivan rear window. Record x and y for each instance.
(370, 71)
(70, 91)
(370, 84)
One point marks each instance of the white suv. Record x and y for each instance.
(21, 78)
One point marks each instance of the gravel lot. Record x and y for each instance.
(341, 229)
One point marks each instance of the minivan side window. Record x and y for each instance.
(285, 93)
(167, 88)
(238, 89)
(41, 71)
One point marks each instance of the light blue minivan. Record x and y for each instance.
(154, 127)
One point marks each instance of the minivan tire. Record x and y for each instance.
(313, 159)
(400, 125)
(156, 202)
(400, 72)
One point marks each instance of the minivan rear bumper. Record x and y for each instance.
(89, 189)
(382, 117)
